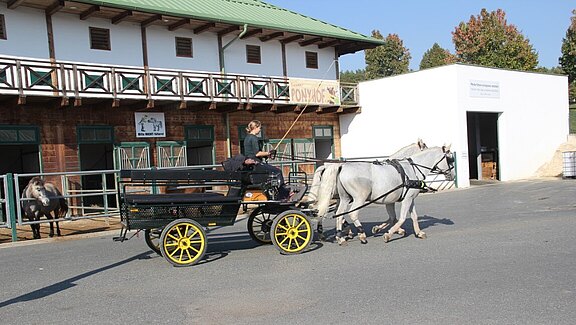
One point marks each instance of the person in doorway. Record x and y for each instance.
(254, 154)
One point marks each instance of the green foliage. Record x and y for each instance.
(554, 70)
(488, 40)
(435, 57)
(568, 58)
(389, 59)
(352, 76)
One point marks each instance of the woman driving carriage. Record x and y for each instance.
(254, 154)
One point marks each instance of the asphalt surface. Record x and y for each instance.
(502, 253)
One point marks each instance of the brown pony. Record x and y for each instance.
(41, 198)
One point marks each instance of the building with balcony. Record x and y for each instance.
(97, 85)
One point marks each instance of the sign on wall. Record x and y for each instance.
(149, 125)
(317, 92)
(484, 89)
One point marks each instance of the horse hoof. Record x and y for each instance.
(375, 230)
(322, 237)
(401, 232)
(341, 241)
(362, 238)
(387, 237)
(421, 235)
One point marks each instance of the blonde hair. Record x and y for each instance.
(252, 125)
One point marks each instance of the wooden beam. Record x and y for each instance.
(121, 16)
(203, 28)
(327, 44)
(55, 7)
(151, 21)
(179, 24)
(268, 37)
(77, 102)
(228, 30)
(212, 106)
(13, 4)
(311, 41)
(150, 103)
(291, 39)
(89, 12)
(251, 33)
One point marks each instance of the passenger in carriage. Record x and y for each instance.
(254, 154)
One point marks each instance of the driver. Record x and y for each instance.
(254, 154)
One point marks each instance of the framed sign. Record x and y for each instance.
(149, 125)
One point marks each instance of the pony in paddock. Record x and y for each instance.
(41, 198)
(404, 152)
(382, 183)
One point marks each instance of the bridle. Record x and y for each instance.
(435, 169)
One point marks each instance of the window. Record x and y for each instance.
(99, 39)
(95, 134)
(184, 47)
(2, 27)
(19, 135)
(253, 54)
(311, 60)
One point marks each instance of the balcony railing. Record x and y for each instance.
(26, 77)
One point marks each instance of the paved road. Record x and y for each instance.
(496, 254)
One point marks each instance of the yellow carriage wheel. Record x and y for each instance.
(183, 242)
(291, 232)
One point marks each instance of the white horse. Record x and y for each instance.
(404, 152)
(381, 183)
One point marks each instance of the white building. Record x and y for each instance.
(515, 119)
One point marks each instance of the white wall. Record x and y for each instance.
(296, 62)
(26, 33)
(235, 57)
(533, 120)
(432, 105)
(72, 41)
(162, 50)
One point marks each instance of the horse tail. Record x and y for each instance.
(315, 187)
(327, 187)
(63, 208)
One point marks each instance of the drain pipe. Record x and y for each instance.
(223, 72)
(222, 63)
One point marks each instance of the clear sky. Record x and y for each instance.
(421, 23)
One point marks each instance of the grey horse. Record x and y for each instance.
(312, 196)
(381, 183)
(41, 198)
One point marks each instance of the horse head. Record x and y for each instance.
(37, 190)
(446, 164)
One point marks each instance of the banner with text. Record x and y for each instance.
(149, 125)
(316, 92)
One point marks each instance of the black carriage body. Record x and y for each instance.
(141, 210)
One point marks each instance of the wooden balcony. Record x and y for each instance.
(80, 83)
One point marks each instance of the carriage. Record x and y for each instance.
(175, 224)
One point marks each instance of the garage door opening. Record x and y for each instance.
(483, 152)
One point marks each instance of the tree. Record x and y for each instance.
(435, 57)
(389, 59)
(488, 40)
(568, 59)
(353, 76)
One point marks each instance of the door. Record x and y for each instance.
(483, 152)
(96, 152)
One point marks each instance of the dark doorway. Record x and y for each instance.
(483, 152)
(96, 157)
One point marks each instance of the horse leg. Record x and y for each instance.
(407, 205)
(419, 233)
(340, 220)
(391, 220)
(358, 224)
(49, 217)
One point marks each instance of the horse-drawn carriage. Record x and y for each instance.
(175, 224)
